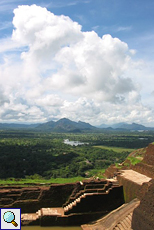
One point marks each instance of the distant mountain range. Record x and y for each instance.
(17, 126)
(126, 126)
(66, 125)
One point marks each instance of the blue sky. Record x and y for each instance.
(94, 63)
(131, 21)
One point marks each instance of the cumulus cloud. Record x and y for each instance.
(54, 69)
(44, 32)
(3, 98)
(83, 62)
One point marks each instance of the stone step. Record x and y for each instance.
(66, 209)
(78, 200)
(39, 214)
(128, 220)
(82, 196)
(69, 206)
(117, 228)
(123, 224)
(122, 228)
(74, 203)
(127, 223)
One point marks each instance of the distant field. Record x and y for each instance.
(116, 149)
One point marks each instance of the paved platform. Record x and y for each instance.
(52, 211)
(29, 216)
(42, 212)
(134, 176)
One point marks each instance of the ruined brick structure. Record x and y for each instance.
(146, 167)
(143, 215)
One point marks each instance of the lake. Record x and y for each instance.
(50, 228)
(75, 143)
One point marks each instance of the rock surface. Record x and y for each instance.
(146, 167)
(143, 215)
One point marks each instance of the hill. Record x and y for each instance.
(66, 125)
(132, 126)
(126, 127)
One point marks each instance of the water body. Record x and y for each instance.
(75, 143)
(143, 138)
(50, 228)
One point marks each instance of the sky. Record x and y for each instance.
(88, 60)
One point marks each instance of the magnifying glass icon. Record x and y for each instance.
(9, 217)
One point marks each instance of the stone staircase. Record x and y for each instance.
(86, 202)
(118, 219)
(89, 190)
(124, 224)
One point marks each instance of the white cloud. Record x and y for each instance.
(93, 65)
(126, 28)
(39, 28)
(50, 68)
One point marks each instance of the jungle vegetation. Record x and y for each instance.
(37, 155)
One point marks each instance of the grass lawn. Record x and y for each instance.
(25, 182)
(96, 172)
(135, 160)
(116, 149)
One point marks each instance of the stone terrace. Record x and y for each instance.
(95, 199)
